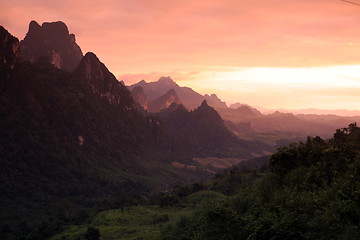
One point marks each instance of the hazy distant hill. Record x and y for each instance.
(187, 96)
(275, 128)
(316, 111)
(281, 126)
(245, 109)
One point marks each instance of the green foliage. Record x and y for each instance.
(168, 199)
(311, 192)
(203, 197)
(315, 197)
(133, 222)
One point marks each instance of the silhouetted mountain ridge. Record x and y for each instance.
(202, 133)
(187, 96)
(51, 40)
(68, 140)
(103, 83)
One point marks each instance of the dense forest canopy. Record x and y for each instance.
(312, 191)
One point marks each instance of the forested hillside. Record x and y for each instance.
(311, 192)
(308, 190)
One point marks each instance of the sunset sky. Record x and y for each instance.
(273, 53)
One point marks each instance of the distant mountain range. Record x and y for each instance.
(202, 131)
(281, 127)
(275, 128)
(188, 97)
(315, 111)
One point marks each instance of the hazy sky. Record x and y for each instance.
(273, 53)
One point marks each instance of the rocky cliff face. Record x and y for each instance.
(53, 41)
(164, 101)
(140, 97)
(9, 52)
(103, 83)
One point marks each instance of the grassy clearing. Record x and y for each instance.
(136, 222)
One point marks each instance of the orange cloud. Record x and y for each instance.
(136, 34)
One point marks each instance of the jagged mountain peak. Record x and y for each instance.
(205, 110)
(58, 27)
(190, 98)
(167, 80)
(103, 83)
(53, 41)
(174, 110)
(213, 95)
(90, 56)
(215, 101)
(204, 104)
(33, 27)
(178, 107)
(140, 97)
(91, 66)
(93, 69)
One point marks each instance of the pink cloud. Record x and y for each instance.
(136, 34)
(155, 37)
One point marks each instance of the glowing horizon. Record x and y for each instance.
(258, 85)
(273, 54)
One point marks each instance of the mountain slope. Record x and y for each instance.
(103, 83)
(164, 101)
(140, 97)
(202, 133)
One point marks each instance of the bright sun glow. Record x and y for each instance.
(285, 87)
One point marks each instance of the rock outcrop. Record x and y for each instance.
(52, 41)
